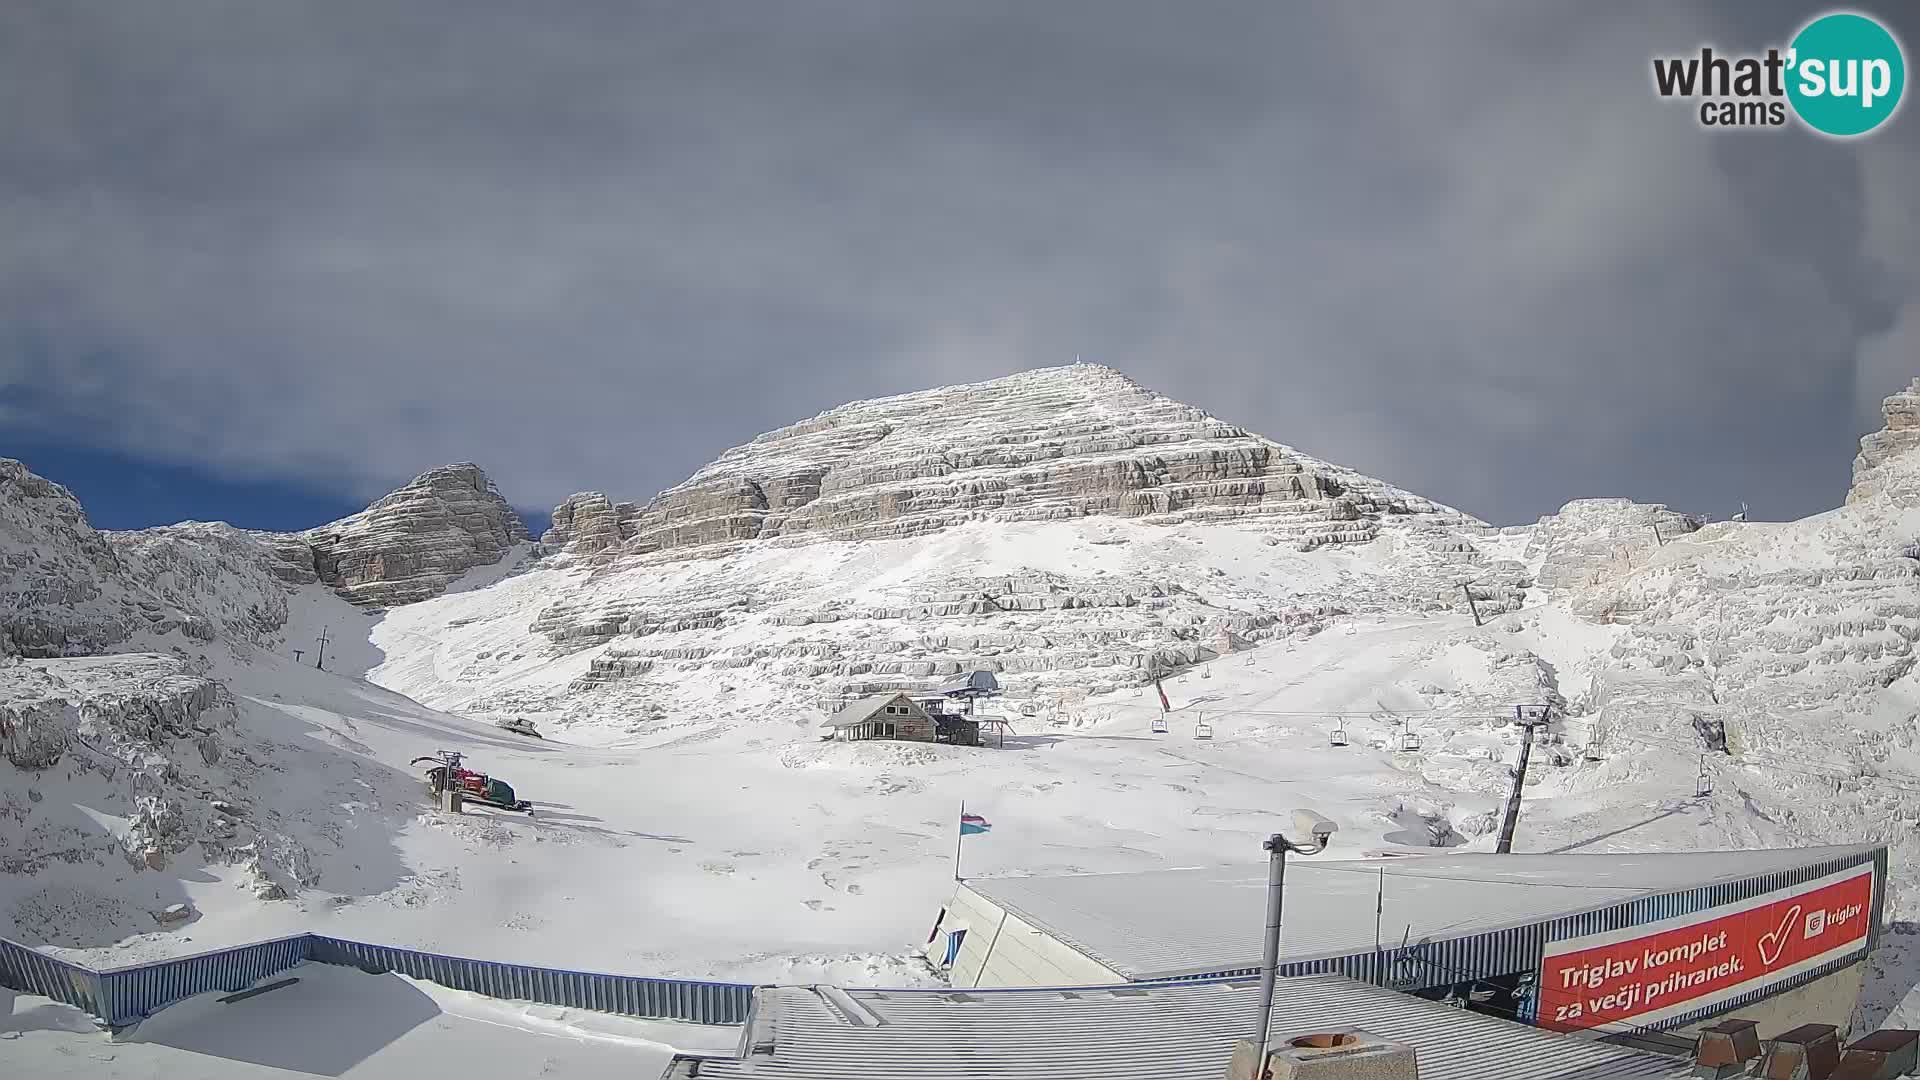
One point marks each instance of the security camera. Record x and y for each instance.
(1309, 823)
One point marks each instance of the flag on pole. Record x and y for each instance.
(973, 823)
(1164, 707)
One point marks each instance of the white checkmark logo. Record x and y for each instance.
(1773, 944)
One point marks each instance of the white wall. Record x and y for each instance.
(1003, 950)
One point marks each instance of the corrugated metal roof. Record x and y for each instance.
(1167, 923)
(1148, 1033)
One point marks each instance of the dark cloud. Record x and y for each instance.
(591, 245)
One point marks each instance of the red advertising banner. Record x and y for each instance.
(1636, 976)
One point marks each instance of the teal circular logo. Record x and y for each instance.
(1846, 74)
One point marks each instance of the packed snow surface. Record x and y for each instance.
(376, 1026)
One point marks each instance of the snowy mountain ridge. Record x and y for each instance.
(681, 651)
(1041, 445)
(1063, 527)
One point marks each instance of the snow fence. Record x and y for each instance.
(127, 995)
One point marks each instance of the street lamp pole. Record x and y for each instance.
(1270, 956)
(1277, 847)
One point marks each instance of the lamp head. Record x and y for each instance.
(1308, 823)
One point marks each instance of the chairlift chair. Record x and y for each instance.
(1160, 724)
(1409, 740)
(1703, 783)
(1203, 730)
(1339, 736)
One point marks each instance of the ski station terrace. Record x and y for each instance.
(1461, 926)
(1148, 975)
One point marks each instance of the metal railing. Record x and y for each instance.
(127, 995)
(629, 995)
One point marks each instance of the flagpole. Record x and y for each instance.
(960, 830)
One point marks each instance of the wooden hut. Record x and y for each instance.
(884, 716)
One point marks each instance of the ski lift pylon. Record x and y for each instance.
(1703, 783)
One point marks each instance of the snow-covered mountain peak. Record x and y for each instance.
(413, 541)
(1050, 444)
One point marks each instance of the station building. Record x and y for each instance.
(1606, 945)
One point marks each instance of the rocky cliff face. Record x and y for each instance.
(1786, 647)
(1046, 445)
(55, 570)
(1065, 528)
(1887, 462)
(70, 590)
(151, 739)
(412, 543)
(589, 523)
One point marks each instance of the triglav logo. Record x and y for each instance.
(1842, 75)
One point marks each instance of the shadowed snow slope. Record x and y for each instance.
(1072, 532)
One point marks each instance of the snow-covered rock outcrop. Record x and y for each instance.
(133, 721)
(411, 543)
(1887, 463)
(1783, 651)
(1062, 527)
(1045, 445)
(69, 590)
(56, 568)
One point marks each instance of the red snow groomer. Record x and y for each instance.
(473, 786)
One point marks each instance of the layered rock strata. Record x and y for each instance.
(1884, 463)
(412, 543)
(1050, 444)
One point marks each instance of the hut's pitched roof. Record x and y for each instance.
(861, 710)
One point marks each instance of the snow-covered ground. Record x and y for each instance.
(771, 855)
(376, 1026)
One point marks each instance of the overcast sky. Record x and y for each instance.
(322, 247)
